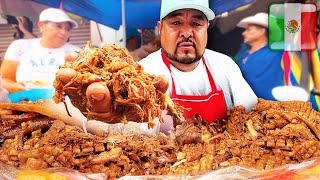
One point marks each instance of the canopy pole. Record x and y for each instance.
(124, 39)
(99, 32)
(3, 6)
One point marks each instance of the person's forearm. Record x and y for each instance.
(143, 52)
(12, 86)
(133, 54)
(28, 35)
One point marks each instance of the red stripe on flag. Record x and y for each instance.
(308, 30)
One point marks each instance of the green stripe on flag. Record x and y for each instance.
(276, 31)
(276, 27)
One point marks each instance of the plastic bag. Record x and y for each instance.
(306, 170)
(8, 172)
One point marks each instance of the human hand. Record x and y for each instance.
(98, 96)
(23, 26)
(22, 23)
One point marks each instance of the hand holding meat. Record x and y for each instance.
(107, 84)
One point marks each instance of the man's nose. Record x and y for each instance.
(244, 32)
(186, 31)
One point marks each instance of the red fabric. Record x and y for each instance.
(210, 107)
(286, 64)
(308, 30)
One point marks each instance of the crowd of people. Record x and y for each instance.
(215, 82)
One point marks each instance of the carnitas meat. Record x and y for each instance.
(271, 135)
(30, 140)
(133, 94)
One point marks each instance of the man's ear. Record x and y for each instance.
(265, 31)
(159, 26)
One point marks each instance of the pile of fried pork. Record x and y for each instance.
(271, 135)
(132, 91)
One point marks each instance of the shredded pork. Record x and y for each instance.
(133, 94)
(271, 135)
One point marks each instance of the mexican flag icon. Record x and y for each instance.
(292, 26)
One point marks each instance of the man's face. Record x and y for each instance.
(56, 33)
(183, 35)
(253, 33)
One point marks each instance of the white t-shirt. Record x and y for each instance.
(225, 72)
(36, 62)
(185, 81)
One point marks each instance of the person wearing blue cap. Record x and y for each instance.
(203, 81)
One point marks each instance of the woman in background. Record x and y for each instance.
(30, 63)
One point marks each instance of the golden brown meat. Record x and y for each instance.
(264, 138)
(292, 111)
(133, 94)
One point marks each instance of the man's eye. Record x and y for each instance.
(196, 24)
(176, 23)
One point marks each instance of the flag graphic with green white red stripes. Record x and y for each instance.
(292, 26)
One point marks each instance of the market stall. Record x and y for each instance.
(44, 139)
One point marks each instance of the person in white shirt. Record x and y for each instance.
(203, 81)
(32, 62)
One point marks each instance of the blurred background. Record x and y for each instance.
(132, 20)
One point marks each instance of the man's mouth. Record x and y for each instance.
(185, 46)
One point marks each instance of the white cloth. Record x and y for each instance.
(224, 70)
(37, 64)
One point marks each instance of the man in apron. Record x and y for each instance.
(203, 81)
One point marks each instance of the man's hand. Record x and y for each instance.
(98, 95)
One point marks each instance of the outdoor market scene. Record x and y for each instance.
(159, 89)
